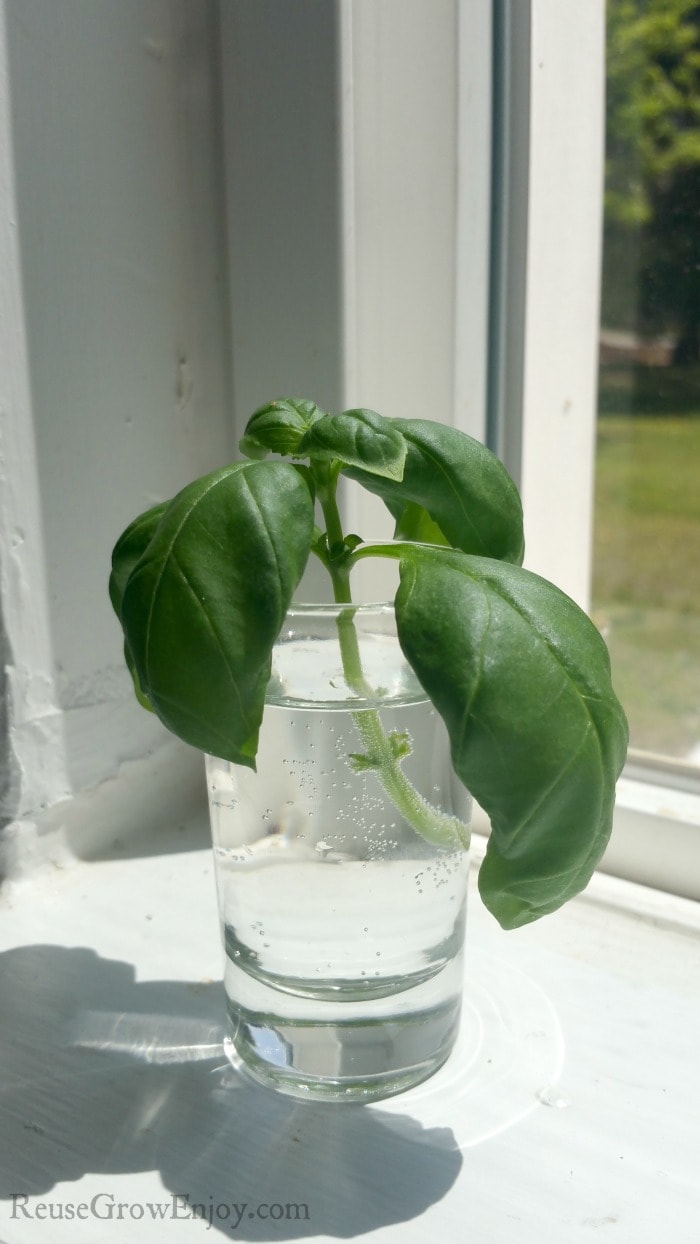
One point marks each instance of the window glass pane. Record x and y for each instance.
(646, 588)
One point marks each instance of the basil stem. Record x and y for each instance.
(381, 753)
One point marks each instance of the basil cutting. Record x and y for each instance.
(520, 675)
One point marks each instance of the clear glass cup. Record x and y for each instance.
(343, 925)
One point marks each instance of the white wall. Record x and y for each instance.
(113, 336)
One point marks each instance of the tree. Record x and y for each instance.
(652, 200)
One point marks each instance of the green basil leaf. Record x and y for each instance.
(464, 488)
(130, 547)
(279, 427)
(202, 608)
(138, 689)
(359, 438)
(522, 679)
(413, 522)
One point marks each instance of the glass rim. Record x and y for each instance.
(307, 609)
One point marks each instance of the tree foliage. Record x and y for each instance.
(653, 102)
(653, 157)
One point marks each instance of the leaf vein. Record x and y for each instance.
(164, 561)
(581, 697)
(263, 525)
(480, 672)
(452, 486)
(234, 682)
(515, 831)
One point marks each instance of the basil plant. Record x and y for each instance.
(519, 674)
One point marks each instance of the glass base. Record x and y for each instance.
(346, 1061)
(345, 1045)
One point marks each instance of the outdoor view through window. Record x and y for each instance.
(646, 584)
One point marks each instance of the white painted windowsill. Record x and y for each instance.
(114, 1085)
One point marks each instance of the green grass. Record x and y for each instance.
(646, 589)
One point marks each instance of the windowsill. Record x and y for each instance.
(656, 838)
(114, 1081)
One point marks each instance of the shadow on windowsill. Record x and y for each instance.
(102, 1074)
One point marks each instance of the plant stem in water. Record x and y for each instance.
(382, 752)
